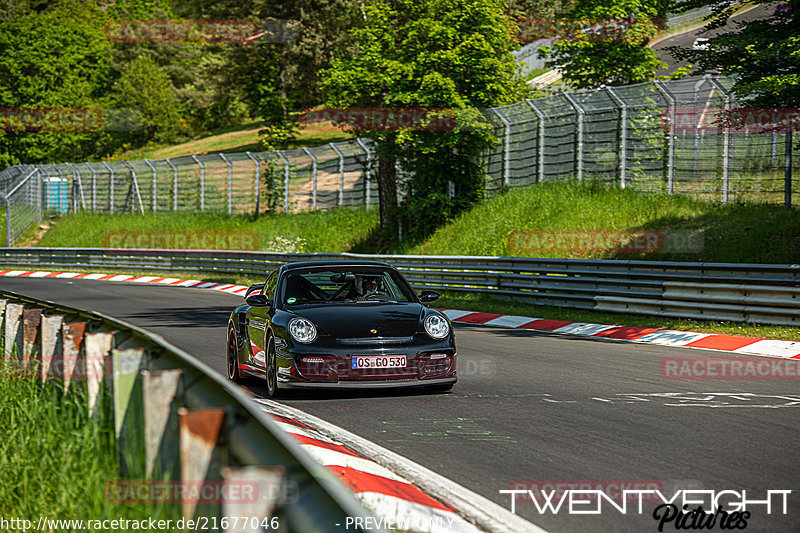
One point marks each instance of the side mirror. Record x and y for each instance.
(253, 288)
(428, 296)
(258, 300)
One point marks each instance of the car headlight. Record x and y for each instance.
(302, 330)
(436, 326)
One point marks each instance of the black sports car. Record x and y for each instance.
(340, 324)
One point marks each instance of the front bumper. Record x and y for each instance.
(371, 384)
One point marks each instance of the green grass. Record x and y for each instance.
(240, 138)
(738, 232)
(54, 459)
(331, 231)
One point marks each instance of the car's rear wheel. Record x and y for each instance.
(233, 359)
(272, 369)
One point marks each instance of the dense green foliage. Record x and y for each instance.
(588, 61)
(763, 54)
(448, 57)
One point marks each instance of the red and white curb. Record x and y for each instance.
(387, 484)
(177, 282)
(665, 337)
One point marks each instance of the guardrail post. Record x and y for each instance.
(52, 346)
(72, 334)
(506, 147)
(110, 187)
(31, 320)
(668, 96)
(285, 181)
(230, 182)
(134, 188)
(341, 172)
(13, 332)
(579, 112)
(98, 351)
(202, 182)
(155, 185)
(126, 399)
(258, 182)
(367, 170)
(314, 178)
(269, 487)
(174, 185)
(623, 135)
(540, 140)
(161, 394)
(203, 451)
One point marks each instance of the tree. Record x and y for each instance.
(763, 54)
(57, 58)
(445, 57)
(589, 60)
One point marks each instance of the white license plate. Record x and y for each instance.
(378, 361)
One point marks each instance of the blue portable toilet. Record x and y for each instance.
(55, 193)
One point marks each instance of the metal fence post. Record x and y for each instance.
(787, 173)
(174, 185)
(726, 138)
(8, 219)
(202, 183)
(155, 177)
(76, 174)
(286, 171)
(367, 170)
(540, 140)
(258, 181)
(39, 194)
(506, 147)
(94, 186)
(623, 135)
(111, 186)
(696, 100)
(341, 172)
(662, 88)
(134, 187)
(579, 112)
(314, 178)
(230, 182)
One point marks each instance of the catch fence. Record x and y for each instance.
(653, 137)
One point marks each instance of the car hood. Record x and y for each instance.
(357, 320)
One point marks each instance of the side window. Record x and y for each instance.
(269, 287)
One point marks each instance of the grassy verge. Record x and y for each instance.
(551, 219)
(54, 459)
(333, 231)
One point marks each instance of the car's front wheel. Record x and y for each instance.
(233, 359)
(272, 369)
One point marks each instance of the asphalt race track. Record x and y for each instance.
(529, 406)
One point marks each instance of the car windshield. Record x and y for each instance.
(344, 284)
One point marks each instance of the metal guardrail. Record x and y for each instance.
(720, 291)
(174, 417)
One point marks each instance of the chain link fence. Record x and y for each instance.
(652, 137)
